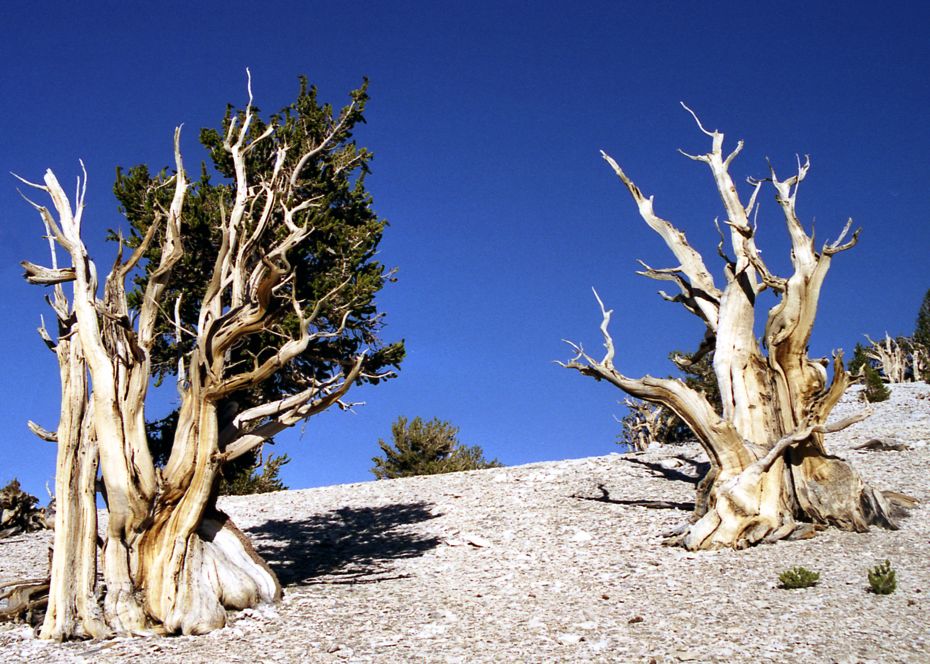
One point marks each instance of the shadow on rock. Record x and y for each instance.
(348, 545)
(699, 469)
(651, 504)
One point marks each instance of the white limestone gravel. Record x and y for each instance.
(512, 565)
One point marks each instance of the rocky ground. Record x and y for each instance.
(520, 564)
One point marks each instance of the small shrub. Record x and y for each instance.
(882, 579)
(798, 577)
(426, 448)
(875, 389)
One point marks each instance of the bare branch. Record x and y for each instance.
(319, 148)
(42, 432)
(837, 246)
(719, 438)
(287, 412)
(733, 155)
(706, 295)
(43, 333)
(697, 120)
(608, 360)
(37, 274)
(803, 434)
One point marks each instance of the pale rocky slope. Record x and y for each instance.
(511, 565)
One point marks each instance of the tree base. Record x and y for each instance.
(220, 570)
(788, 503)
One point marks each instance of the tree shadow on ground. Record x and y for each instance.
(700, 469)
(347, 545)
(651, 504)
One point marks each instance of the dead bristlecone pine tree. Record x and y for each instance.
(18, 511)
(771, 476)
(257, 283)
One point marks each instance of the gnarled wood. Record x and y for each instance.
(770, 472)
(171, 562)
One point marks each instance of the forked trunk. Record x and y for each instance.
(771, 476)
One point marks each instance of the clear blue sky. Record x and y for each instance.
(486, 120)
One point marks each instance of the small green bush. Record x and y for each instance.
(875, 389)
(427, 448)
(798, 577)
(882, 579)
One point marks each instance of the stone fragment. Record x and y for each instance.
(476, 541)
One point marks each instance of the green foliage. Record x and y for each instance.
(922, 329)
(875, 389)
(882, 579)
(859, 359)
(798, 577)
(921, 338)
(426, 448)
(242, 476)
(342, 246)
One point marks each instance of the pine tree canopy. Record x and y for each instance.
(341, 249)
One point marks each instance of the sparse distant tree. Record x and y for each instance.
(922, 339)
(858, 360)
(898, 360)
(771, 476)
(874, 390)
(646, 423)
(922, 329)
(426, 448)
(261, 290)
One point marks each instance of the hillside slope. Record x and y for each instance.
(523, 564)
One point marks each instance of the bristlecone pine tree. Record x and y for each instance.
(900, 360)
(922, 337)
(426, 448)
(922, 328)
(771, 476)
(261, 290)
(18, 511)
(874, 389)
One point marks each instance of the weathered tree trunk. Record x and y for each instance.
(194, 562)
(771, 476)
(71, 605)
(72, 609)
(171, 561)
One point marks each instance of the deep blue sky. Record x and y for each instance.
(486, 120)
